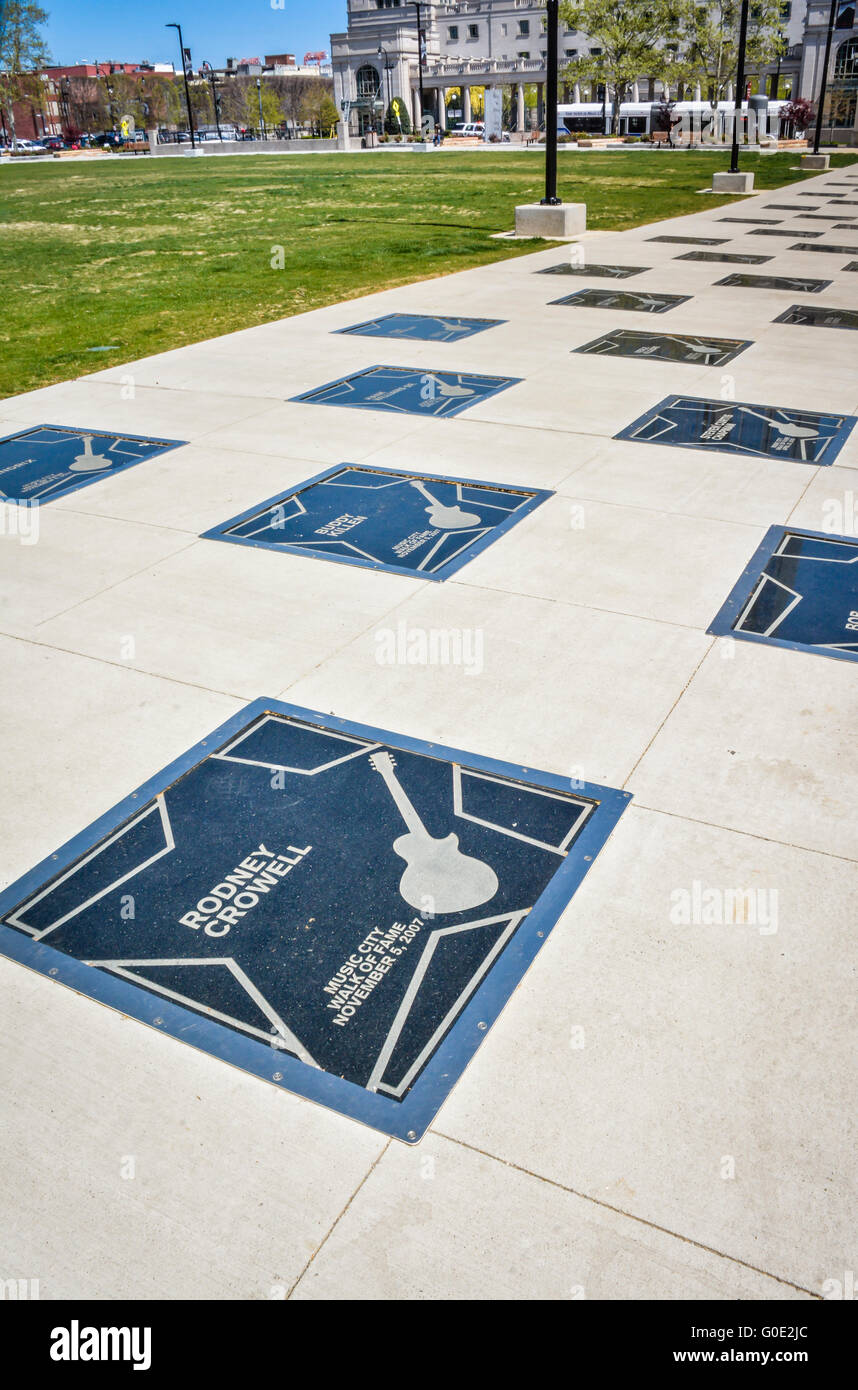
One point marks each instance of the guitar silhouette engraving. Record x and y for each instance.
(88, 462)
(437, 869)
(784, 427)
(450, 390)
(447, 518)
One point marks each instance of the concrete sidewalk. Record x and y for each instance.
(663, 1111)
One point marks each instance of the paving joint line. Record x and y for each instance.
(125, 521)
(570, 603)
(669, 712)
(108, 589)
(751, 834)
(762, 527)
(323, 1242)
(121, 666)
(620, 1211)
(804, 492)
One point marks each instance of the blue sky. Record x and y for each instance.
(213, 29)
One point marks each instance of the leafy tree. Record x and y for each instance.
(297, 95)
(122, 99)
(317, 108)
(397, 121)
(86, 108)
(708, 40)
(272, 112)
(662, 116)
(630, 40)
(329, 117)
(202, 103)
(22, 54)
(233, 100)
(799, 113)
(161, 101)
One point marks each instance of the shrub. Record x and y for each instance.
(397, 121)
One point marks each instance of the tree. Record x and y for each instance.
(86, 110)
(708, 40)
(317, 109)
(397, 121)
(161, 101)
(628, 42)
(799, 113)
(233, 99)
(22, 54)
(295, 94)
(272, 112)
(329, 118)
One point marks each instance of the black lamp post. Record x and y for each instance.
(108, 90)
(262, 130)
(207, 68)
(65, 106)
(551, 199)
(740, 86)
(775, 84)
(178, 27)
(824, 84)
(421, 57)
(384, 59)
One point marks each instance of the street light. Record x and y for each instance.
(109, 91)
(775, 84)
(421, 58)
(740, 87)
(388, 68)
(178, 28)
(824, 85)
(261, 117)
(551, 199)
(65, 105)
(207, 68)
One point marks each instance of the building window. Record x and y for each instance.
(846, 62)
(571, 53)
(524, 54)
(845, 15)
(844, 87)
(523, 28)
(473, 31)
(368, 82)
(786, 13)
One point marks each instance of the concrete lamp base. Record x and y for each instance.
(732, 183)
(815, 161)
(558, 223)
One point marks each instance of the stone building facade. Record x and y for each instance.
(502, 43)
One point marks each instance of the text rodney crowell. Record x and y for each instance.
(240, 891)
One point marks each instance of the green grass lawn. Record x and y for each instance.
(144, 255)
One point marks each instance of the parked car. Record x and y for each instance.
(107, 140)
(476, 129)
(27, 147)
